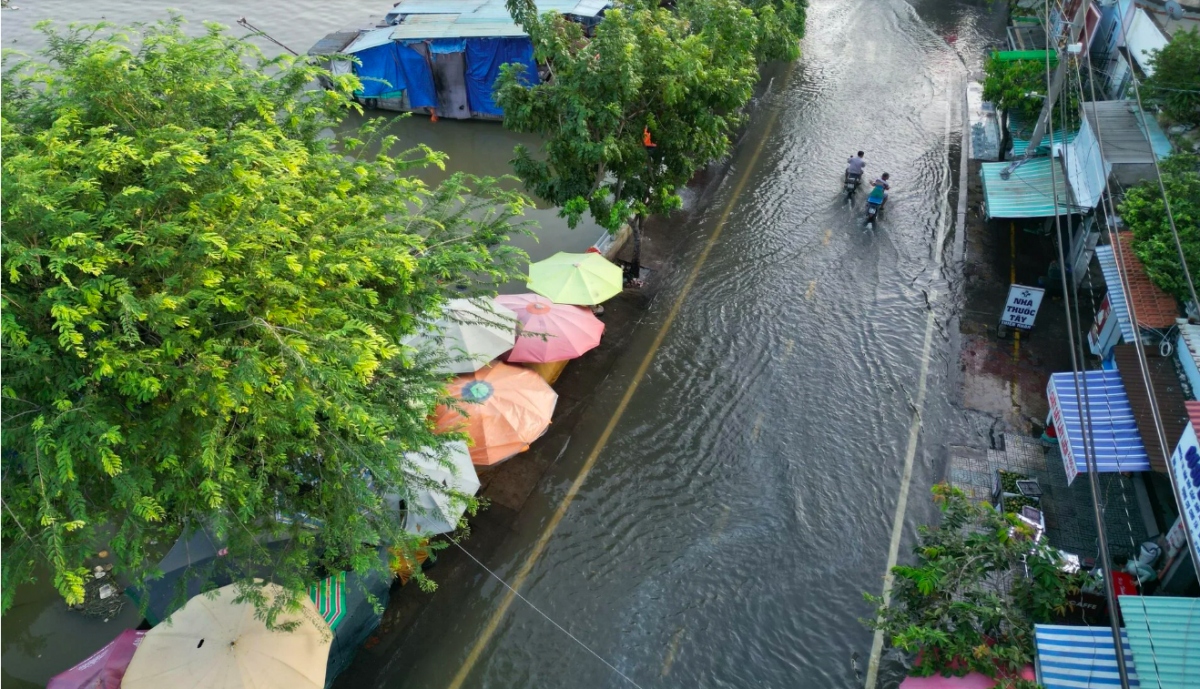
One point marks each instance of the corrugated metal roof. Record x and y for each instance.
(370, 39)
(1168, 393)
(1116, 293)
(1191, 338)
(1027, 193)
(1022, 55)
(1164, 634)
(1086, 167)
(1080, 657)
(1113, 433)
(335, 42)
(1128, 135)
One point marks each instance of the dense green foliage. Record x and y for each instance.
(683, 74)
(204, 297)
(967, 603)
(1144, 212)
(1008, 85)
(1175, 84)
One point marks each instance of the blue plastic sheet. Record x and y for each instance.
(440, 46)
(484, 57)
(380, 72)
(421, 93)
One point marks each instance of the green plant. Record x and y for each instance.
(967, 603)
(681, 75)
(204, 300)
(1145, 213)
(1175, 84)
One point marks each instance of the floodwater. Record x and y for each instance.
(745, 501)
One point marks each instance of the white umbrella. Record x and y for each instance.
(214, 643)
(430, 508)
(471, 335)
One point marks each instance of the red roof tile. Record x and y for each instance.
(1154, 307)
(1193, 410)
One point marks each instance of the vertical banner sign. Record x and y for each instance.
(1064, 438)
(1022, 306)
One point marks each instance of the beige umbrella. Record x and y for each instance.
(215, 643)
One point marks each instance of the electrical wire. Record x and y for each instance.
(1187, 274)
(1089, 456)
(548, 618)
(1143, 365)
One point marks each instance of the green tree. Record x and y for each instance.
(682, 75)
(1176, 81)
(1144, 212)
(978, 586)
(204, 299)
(1018, 89)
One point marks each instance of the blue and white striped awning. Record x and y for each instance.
(1080, 657)
(1115, 438)
(1116, 293)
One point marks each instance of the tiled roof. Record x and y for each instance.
(1154, 307)
(1168, 394)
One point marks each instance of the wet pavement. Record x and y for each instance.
(726, 515)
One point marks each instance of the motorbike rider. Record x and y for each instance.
(880, 189)
(855, 165)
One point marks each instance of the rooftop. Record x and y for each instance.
(1127, 134)
(1164, 635)
(1168, 394)
(418, 19)
(1152, 307)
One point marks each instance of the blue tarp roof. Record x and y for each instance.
(1115, 438)
(1080, 657)
(1164, 634)
(1028, 192)
(1116, 292)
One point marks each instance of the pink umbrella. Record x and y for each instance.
(104, 669)
(549, 331)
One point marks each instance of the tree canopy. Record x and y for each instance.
(1145, 213)
(204, 298)
(1175, 84)
(978, 586)
(679, 76)
(1019, 87)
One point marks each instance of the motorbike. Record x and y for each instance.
(874, 205)
(852, 182)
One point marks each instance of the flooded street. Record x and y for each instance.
(727, 515)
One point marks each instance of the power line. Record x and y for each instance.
(1123, 276)
(548, 618)
(1187, 274)
(1089, 456)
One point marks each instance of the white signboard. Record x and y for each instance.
(1022, 306)
(1185, 463)
(1060, 429)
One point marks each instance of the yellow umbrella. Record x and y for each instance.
(215, 643)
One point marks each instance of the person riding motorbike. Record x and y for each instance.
(855, 165)
(879, 189)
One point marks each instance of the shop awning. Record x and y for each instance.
(1118, 445)
(1028, 192)
(1164, 635)
(1116, 294)
(1080, 657)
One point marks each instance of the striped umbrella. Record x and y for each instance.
(329, 595)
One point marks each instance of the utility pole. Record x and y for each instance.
(1056, 84)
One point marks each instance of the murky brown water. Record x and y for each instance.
(744, 503)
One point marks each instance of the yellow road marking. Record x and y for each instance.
(828, 236)
(672, 649)
(788, 344)
(756, 428)
(544, 539)
(812, 290)
(914, 433)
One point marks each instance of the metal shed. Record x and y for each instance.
(1130, 139)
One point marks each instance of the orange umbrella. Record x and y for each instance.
(507, 408)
